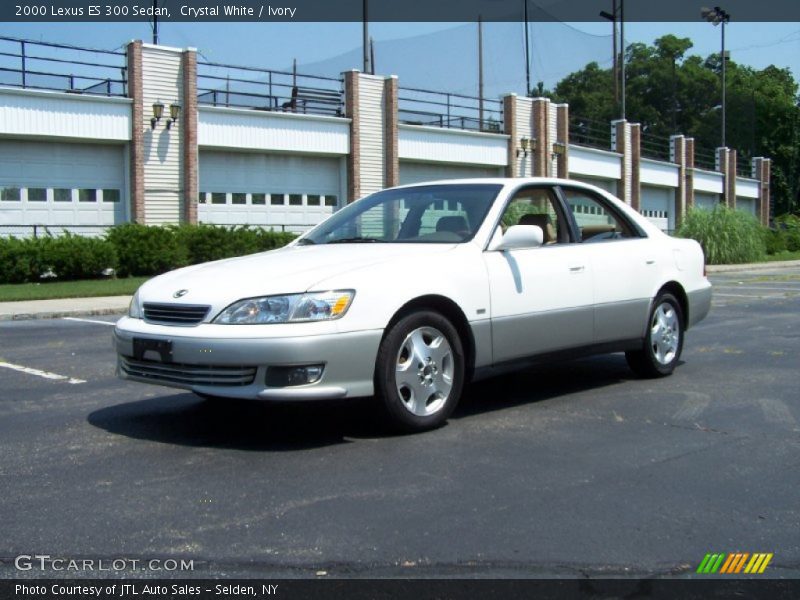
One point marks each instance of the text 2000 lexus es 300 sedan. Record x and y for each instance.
(411, 292)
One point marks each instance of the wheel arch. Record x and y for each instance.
(676, 289)
(452, 311)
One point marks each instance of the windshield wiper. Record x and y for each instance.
(354, 240)
(305, 242)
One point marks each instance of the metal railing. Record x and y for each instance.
(743, 166)
(46, 66)
(265, 89)
(588, 132)
(655, 146)
(705, 158)
(448, 110)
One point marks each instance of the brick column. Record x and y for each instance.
(541, 153)
(562, 139)
(636, 165)
(762, 173)
(351, 112)
(136, 191)
(730, 180)
(723, 166)
(621, 143)
(510, 129)
(677, 151)
(689, 159)
(187, 122)
(391, 137)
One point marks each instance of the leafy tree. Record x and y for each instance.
(669, 91)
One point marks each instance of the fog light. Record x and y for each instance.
(297, 375)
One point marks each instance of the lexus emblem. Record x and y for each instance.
(180, 293)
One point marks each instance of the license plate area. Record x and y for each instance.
(149, 349)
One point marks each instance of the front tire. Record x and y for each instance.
(663, 343)
(419, 373)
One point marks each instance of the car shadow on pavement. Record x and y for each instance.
(186, 419)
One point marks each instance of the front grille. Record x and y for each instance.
(179, 314)
(213, 375)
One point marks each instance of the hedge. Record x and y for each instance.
(129, 249)
(727, 236)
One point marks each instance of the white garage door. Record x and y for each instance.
(293, 192)
(657, 206)
(609, 185)
(417, 172)
(705, 200)
(747, 205)
(48, 183)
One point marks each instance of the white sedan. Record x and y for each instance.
(412, 292)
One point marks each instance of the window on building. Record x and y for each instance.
(10, 194)
(37, 194)
(313, 200)
(295, 200)
(111, 195)
(62, 195)
(202, 197)
(218, 198)
(238, 198)
(87, 195)
(258, 198)
(331, 201)
(276, 199)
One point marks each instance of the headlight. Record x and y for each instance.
(135, 310)
(293, 308)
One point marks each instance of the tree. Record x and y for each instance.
(669, 92)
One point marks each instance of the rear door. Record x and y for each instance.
(541, 297)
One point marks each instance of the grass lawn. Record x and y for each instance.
(785, 255)
(70, 289)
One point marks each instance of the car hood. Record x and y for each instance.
(288, 270)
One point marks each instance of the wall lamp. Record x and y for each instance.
(526, 145)
(559, 148)
(158, 111)
(174, 112)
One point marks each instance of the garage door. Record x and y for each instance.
(416, 172)
(46, 183)
(657, 206)
(705, 200)
(609, 185)
(747, 205)
(293, 192)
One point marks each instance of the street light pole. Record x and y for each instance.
(717, 16)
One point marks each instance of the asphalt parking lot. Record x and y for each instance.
(572, 469)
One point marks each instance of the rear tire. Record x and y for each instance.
(419, 372)
(663, 343)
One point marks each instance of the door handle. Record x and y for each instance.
(651, 261)
(576, 269)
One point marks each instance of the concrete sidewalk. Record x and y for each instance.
(64, 307)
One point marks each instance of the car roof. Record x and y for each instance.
(504, 181)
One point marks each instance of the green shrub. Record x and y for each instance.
(146, 250)
(76, 257)
(775, 241)
(210, 242)
(68, 257)
(788, 226)
(727, 236)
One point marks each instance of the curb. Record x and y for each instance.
(752, 266)
(99, 312)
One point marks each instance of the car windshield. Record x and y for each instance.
(431, 214)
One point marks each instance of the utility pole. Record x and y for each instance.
(527, 55)
(366, 36)
(155, 22)
(612, 17)
(717, 16)
(480, 73)
(622, 53)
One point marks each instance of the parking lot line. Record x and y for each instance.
(88, 321)
(38, 373)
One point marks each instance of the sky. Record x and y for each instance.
(439, 56)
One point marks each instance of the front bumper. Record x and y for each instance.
(237, 367)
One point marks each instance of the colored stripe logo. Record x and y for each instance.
(735, 562)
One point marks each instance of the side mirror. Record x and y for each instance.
(520, 236)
